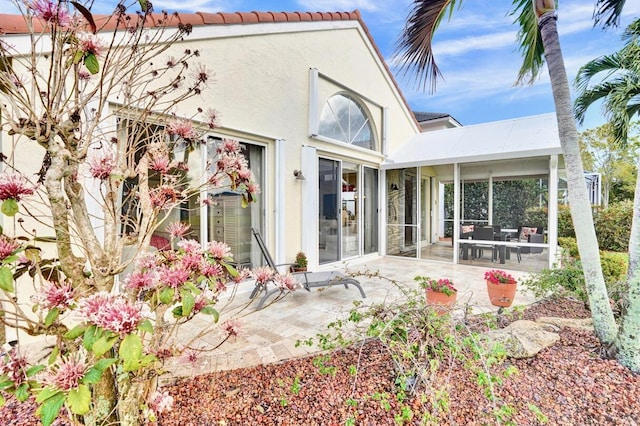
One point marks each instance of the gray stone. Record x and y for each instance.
(580, 324)
(522, 339)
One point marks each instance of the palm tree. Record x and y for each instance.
(620, 91)
(537, 36)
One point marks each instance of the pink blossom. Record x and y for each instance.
(7, 246)
(178, 229)
(147, 261)
(286, 282)
(201, 73)
(111, 312)
(56, 296)
(160, 402)
(190, 246)
(141, 280)
(102, 167)
(172, 277)
(65, 374)
(263, 274)
(14, 366)
(14, 186)
(183, 129)
(212, 118)
(191, 261)
(231, 327)
(203, 299)
(90, 44)
(160, 164)
(219, 250)
(164, 196)
(245, 174)
(210, 270)
(189, 356)
(243, 274)
(84, 75)
(51, 12)
(229, 146)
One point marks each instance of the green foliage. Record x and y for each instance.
(550, 282)
(565, 222)
(537, 217)
(421, 343)
(613, 226)
(570, 245)
(614, 266)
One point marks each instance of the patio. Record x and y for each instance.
(530, 262)
(270, 335)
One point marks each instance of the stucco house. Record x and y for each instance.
(345, 168)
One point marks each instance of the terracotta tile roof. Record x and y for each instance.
(15, 24)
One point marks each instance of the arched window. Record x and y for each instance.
(343, 119)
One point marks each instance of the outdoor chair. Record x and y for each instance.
(307, 280)
(485, 233)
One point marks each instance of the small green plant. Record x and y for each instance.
(540, 416)
(295, 386)
(320, 363)
(301, 260)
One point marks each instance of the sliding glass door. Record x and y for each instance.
(348, 210)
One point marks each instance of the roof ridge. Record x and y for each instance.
(15, 23)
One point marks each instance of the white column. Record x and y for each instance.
(280, 201)
(313, 102)
(491, 198)
(552, 233)
(456, 211)
(309, 196)
(383, 228)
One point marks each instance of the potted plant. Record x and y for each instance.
(440, 293)
(300, 264)
(501, 287)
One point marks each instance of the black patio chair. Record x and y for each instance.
(307, 280)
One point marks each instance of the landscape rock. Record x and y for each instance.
(577, 323)
(522, 338)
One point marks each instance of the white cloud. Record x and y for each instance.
(461, 46)
(342, 5)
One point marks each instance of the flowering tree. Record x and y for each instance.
(97, 98)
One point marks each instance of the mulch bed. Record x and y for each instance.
(566, 384)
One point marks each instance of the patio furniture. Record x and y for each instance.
(534, 238)
(307, 280)
(485, 234)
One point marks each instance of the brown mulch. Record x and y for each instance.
(566, 384)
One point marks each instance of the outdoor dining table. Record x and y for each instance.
(503, 253)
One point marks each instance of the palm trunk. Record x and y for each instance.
(628, 343)
(603, 320)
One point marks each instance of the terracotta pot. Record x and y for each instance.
(501, 294)
(298, 269)
(440, 301)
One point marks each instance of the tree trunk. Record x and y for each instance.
(628, 343)
(603, 320)
(104, 401)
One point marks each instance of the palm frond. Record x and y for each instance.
(589, 97)
(609, 64)
(529, 41)
(415, 44)
(607, 12)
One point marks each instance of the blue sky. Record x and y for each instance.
(476, 50)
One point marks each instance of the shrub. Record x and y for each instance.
(551, 282)
(536, 217)
(570, 245)
(613, 226)
(614, 266)
(565, 222)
